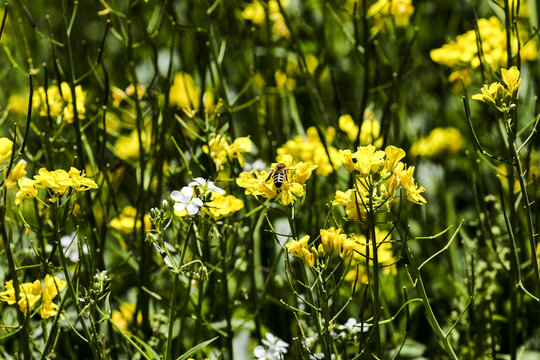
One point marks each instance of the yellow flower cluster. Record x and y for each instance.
(378, 174)
(502, 97)
(440, 141)
(385, 256)
(221, 205)
(125, 222)
(57, 182)
(31, 293)
(312, 151)
(261, 183)
(6, 147)
(123, 317)
(369, 133)
(60, 101)
(255, 13)
(15, 174)
(299, 249)
(220, 150)
(464, 51)
(400, 10)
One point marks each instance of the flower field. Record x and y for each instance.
(269, 179)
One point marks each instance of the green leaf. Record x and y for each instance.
(194, 349)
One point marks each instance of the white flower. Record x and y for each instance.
(275, 348)
(185, 200)
(69, 244)
(353, 327)
(205, 185)
(256, 165)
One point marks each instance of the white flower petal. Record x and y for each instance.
(198, 181)
(197, 202)
(179, 206)
(259, 352)
(176, 195)
(192, 209)
(187, 192)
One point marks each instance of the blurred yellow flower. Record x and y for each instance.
(16, 173)
(125, 221)
(255, 13)
(312, 151)
(5, 148)
(123, 317)
(60, 102)
(52, 286)
(400, 10)
(127, 147)
(184, 93)
(17, 104)
(369, 133)
(439, 142)
(464, 50)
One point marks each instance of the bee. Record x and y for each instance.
(279, 174)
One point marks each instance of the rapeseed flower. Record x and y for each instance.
(220, 150)
(52, 286)
(463, 52)
(27, 190)
(261, 183)
(60, 102)
(399, 10)
(299, 249)
(439, 142)
(312, 151)
(184, 93)
(6, 146)
(255, 13)
(377, 176)
(501, 96)
(125, 221)
(221, 205)
(370, 132)
(16, 173)
(124, 316)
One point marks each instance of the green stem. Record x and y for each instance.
(168, 352)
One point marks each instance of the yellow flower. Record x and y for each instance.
(254, 12)
(312, 151)
(17, 104)
(439, 142)
(219, 149)
(9, 294)
(127, 147)
(464, 50)
(60, 101)
(400, 10)
(262, 184)
(184, 93)
(29, 294)
(512, 80)
(58, 180)
(5, 148)
(125, 221)
(240, 146)
(79, 180)
(123, 317)
(492, 94)
(299, 249)
(222, 205)
(52, 287)
(27, 189)
(369, 132)
(16, 173)
(331, 239)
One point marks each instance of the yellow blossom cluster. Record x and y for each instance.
(123, 317)
(299, 249)
(221, 205)
(502, 97)
(370, 131)
(185, 95)
(256, 13)
(220, 150)
(385, 256)
(399, 10)
(261, 183)
(56, 182)
(125, 221)
(463, 52)
(30, 293)
(286, 79)
(60, 101)
(378, 175)
(439, 142)
(312, 151)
